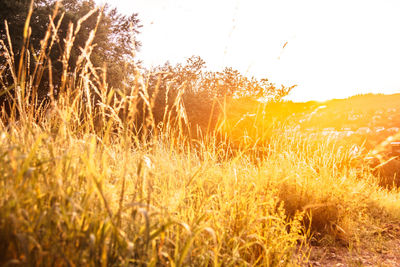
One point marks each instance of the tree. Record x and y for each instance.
(203, 91)
(113, 36)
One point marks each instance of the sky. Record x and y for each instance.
(334, 49)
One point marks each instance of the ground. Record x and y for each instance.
(384, 251)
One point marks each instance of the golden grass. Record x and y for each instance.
(79, 187)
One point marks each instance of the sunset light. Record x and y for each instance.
(199, 133)
(334, 49)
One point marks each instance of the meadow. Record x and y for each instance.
(81, 186)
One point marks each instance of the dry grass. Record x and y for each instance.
(80, 187)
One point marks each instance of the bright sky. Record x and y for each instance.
(335, 48)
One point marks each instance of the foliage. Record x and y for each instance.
(204, 92)
(113, 38)
(231, 82)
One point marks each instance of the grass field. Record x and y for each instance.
(79, 188)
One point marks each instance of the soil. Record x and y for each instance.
(384, 250)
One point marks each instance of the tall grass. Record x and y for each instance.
(80, 186)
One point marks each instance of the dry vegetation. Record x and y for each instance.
(80, 187)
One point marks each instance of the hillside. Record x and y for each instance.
(356, 112)
(364, 120)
